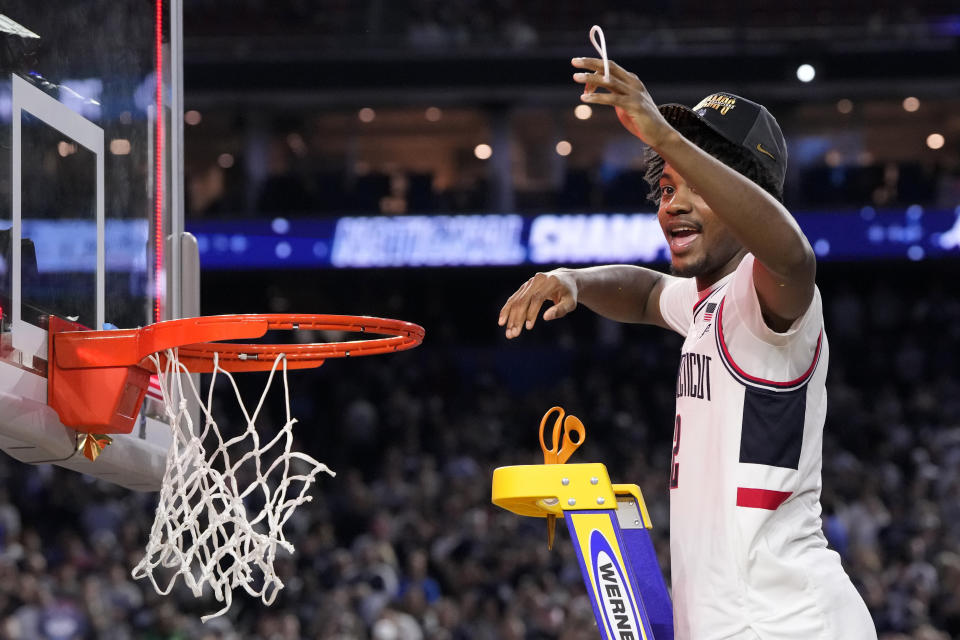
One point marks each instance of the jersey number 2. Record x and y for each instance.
(674, 465)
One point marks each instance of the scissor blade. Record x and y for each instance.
(551, 531)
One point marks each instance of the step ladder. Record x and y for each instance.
(610, 529)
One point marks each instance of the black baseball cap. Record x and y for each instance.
(740, 121)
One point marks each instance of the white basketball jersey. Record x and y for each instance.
(748, 557)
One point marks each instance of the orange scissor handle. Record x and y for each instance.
(563, 443)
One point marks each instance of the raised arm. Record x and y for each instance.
(785, 265)
(624, 293)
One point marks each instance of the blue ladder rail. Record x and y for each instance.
(610, 529)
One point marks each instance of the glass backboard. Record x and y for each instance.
(89, 158)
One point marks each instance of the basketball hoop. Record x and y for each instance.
(205, 528)
(98, 378)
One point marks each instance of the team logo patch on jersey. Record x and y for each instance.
(613, 591)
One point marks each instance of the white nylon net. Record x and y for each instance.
(206, 526)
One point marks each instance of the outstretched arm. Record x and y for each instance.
(624, 293)
(785, 265)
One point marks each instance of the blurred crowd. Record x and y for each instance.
(430, 24)
(300, 189)
(404, 544)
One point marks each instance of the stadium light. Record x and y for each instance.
(806, 73)
(583, 112)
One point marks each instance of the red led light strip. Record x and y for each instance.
(158, 274)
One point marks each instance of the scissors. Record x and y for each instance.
(562, 445)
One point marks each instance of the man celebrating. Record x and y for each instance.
(748, 557)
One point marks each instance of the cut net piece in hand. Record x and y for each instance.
(204, 528)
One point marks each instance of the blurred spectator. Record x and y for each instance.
(404, 544)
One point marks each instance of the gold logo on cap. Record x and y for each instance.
(719, 102)
(764, 151)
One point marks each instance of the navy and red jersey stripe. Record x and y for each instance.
(745, 378)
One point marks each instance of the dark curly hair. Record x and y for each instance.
(730, 154)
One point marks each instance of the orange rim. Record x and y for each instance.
(197, 340)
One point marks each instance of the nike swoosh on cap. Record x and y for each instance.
(764, 151)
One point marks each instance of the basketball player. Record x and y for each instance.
(748, 557)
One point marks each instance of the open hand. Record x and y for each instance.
(522, 307)
(635, 108)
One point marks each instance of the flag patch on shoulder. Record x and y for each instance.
(708, 312)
